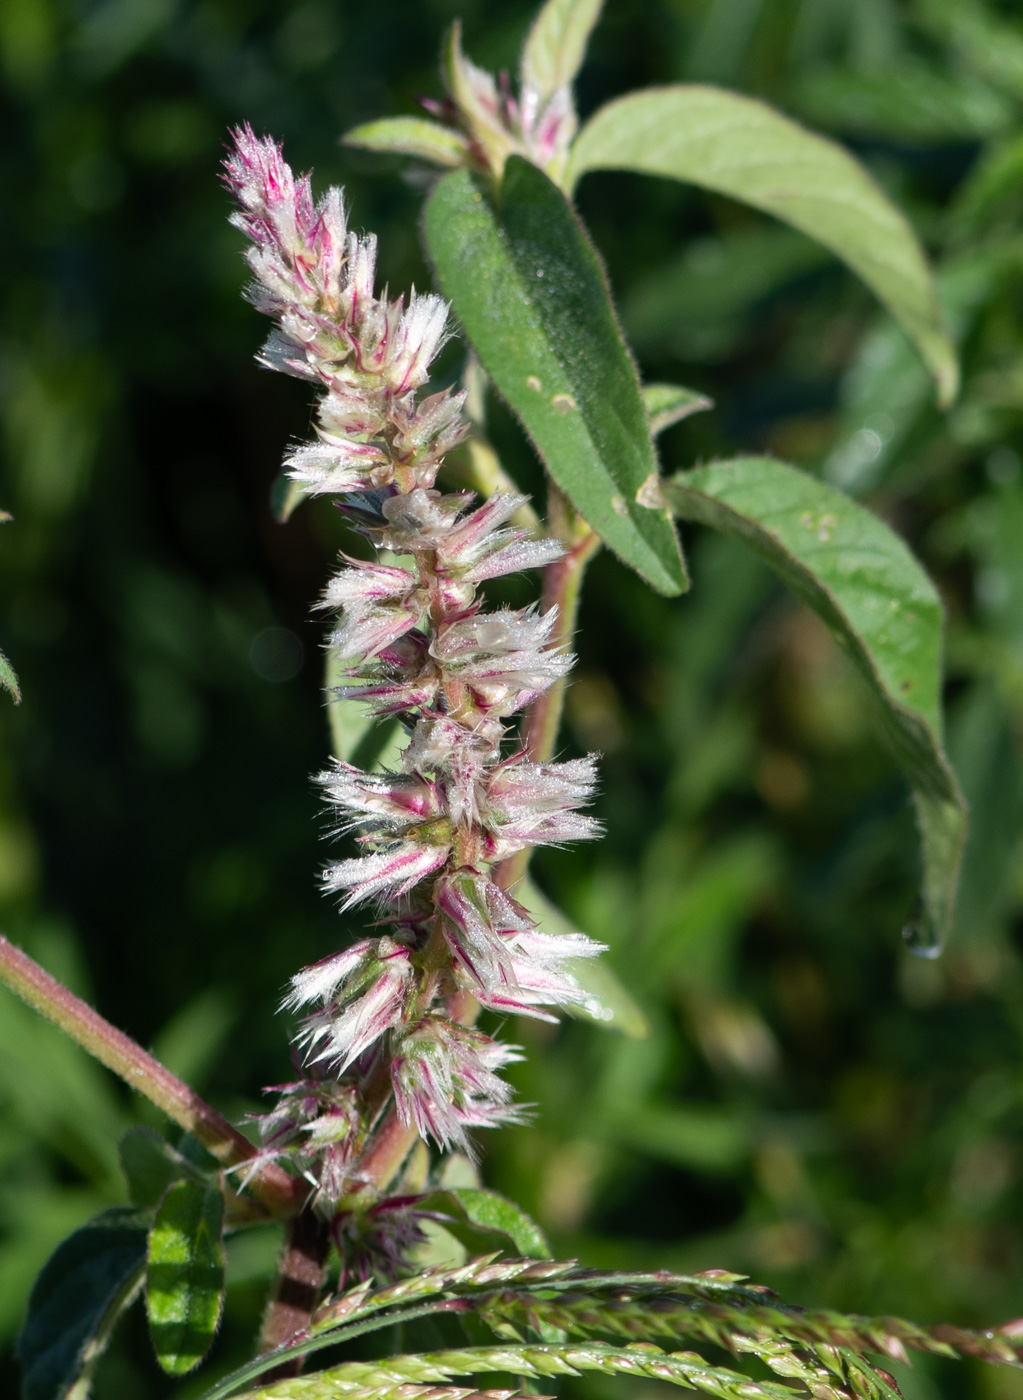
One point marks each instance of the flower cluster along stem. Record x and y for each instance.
(388, 1046)
(280, 1193)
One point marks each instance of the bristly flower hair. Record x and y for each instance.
(413, 639)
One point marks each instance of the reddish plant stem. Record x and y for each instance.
(279, 1192)
(300, 1274)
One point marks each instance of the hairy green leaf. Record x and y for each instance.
(862, 580)
(742, 148)
(556, 45)
(185, 1276)
(532, 296)
(411, 136)
(469, 1210)
(84, 1287)
(608, 1003)
(667, 404)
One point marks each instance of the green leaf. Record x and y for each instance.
(84, 1287)
(488, 1212)
(742, 148)
(355, 735)
(411, 136)
(556, 45)
(666, 404)
(862, 580)
(608, 1004)
(286, 496)
(532, 296)
(151, 1165)
(8, 679)
(185, 1277)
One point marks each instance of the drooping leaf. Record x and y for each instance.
(743, 148)
(667, 404)
(608, 1003)
(556, 45)
(532, 296)
(472, 1211)
(151, 1165)
(862, 580)
(84, 1287)
(185, 1275)
(411, 136)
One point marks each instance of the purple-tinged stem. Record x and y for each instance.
(300, 1274)
(279, 1192)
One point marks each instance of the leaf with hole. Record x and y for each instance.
(185, 1275)
(530, 291)
(83, 1289)
(740, 147)
(881, 607)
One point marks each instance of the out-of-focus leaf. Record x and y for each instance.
(84, 1287)
(151, 1165)
(471, 1210)
(9, 679)
(709, 1139)
(907, 101)
(532, 296)
(355, 735)
(191, 1041)
(607, 1004)
(556, 45)
(698, 304)
(980, 38)
(411, 136)
(286, 496)
(861, 579)
(185, 1275)
(743, 148)
(666, 404)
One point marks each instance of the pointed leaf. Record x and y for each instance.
(861, 579)
(667, 404)
(742, 148)
(490, 1213)
(185, 1277)
(607, 1004)
(556, 45)
(84, 1287)
(532, 296)
(411, 136)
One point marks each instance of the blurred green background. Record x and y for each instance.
(813, 1105)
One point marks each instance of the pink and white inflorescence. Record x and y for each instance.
(414, 641)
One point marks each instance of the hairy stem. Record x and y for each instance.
(280, 1192)
(300, 1274)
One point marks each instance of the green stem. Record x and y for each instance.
(281, 1193)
